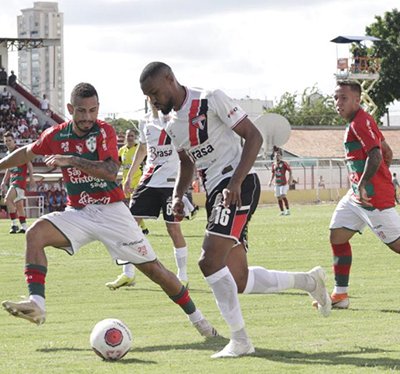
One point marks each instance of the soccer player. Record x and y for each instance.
(15, 178)
(370, 200)
(86, 150)
(125, 154)
(206, 127)
(279, 170)
(154, 192)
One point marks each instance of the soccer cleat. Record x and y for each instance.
(205, 328)
(21, 231)
(340, 300)
(235, 349)
(122, 281)
(282, 213)
(14, 229)
(320, 294)
(26, 309)
(287, 213)
(146, 231)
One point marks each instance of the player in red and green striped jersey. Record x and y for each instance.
(370, 200)
(86, 151)
(14, 186)
(279, 170)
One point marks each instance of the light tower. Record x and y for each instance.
(359, 67)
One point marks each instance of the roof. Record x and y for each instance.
(351, 39)
(327, 142)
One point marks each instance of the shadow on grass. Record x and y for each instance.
(348, 358)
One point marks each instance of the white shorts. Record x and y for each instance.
(20, 194)
(281, 190)
(385, 224)
(111, 224)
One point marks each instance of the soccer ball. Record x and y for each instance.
(111, 339)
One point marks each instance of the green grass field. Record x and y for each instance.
(289, 336)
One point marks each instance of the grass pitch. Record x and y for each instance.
(288, 334)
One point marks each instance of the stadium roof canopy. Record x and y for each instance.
(354, 39)
(28, 43)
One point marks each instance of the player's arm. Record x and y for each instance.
(272, 176)
(5, 180)
(372, 164)
(31, 177)
(138, 157)
(251, 147)
(183, 180)
(290, 180)
(20, 156)
(387, 153)
(104, 169)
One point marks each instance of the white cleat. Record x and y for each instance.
(321, 294)
(205, 328)
(235, 349)
(26, 309)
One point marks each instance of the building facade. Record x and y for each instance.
(41, 70)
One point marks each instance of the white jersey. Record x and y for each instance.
(162, 160)
(203, 128)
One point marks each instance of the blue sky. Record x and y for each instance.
(256, 48)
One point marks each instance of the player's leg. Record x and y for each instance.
(285, 190)
(179, 294)
(40, 235)
(345, 222)
(21, 216)
(12, 210)
(278, 195)
(180, 250)
(144, 203)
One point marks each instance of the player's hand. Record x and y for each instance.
(231, 195)
(127, 189)
(57, 160)
(364, 199)
(178, 208)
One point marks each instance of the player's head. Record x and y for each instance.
(158, 82)
(347, 98)
(130, 137)
(83, 107)
(9, 140)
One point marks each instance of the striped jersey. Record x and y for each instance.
(18, 175)
(97, 145)
(362, 135)
(279, 171)
(203, 128)
(162, 160)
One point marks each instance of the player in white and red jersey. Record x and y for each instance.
(370, 200)
(278, 173)
(154, 191)
(205, 128)
(86, 150)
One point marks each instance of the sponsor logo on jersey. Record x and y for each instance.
(232, 111)
(201, 152)
(156, 153)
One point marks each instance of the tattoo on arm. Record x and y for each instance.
(107, 169)
(372, 164)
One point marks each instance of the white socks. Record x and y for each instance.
(181, 255)
(39, 301)
(226, 295)
(129, 270)
(261, 280)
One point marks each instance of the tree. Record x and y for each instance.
(387, 89)
(311, 109)
(122, 124)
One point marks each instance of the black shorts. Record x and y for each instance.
(232, 222)
(147, 202)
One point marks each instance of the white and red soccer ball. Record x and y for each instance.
(111, 339)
